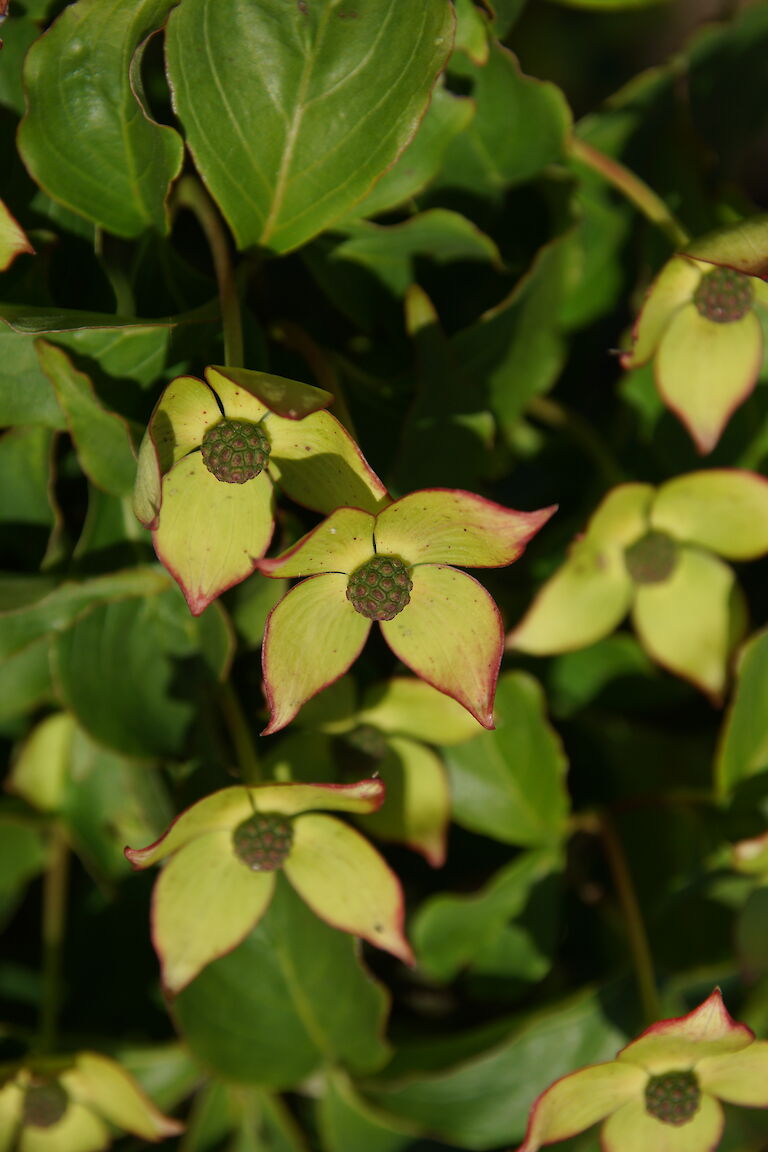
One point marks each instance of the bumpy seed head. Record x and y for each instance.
(652, 559)
(380, 588)
(724, 295)
(235, 450)
(263, 841)
(44, 1104)
(673, 1097)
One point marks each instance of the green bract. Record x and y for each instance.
(701, 326)
(449, 633)
(658, 553)
(209, 896)
(209, 534)
(74, 1103)
(663, 1090)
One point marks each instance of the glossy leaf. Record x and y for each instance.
(439, 234)
(452, 933)
(520, 126)
(276, 1030)
(101, 437)
(446, 117)
(484, 1102)
(287, 156)
(33, 320)
(118, 671)
(86, 70)
(510, 784)
(36, 401)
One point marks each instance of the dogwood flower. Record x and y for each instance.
(208, 463)
(224, 852)
(657, 553)
(700, 325)
(663, 1090)
(71, 1104)
(395, 567)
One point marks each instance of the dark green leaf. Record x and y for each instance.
(447, 116)
(744, 746)
(485, 1103)
(347, 1122)
(486, 931)
(520, 126)
(87, 138)
(26, 394)
(277, 1028)
(101, 438)
(118, 668)
(510, 783)
(293, 110)
(22, 857)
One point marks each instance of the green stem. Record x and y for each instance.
(240, 734)
(555, 415)
(633, 188)
(642, 961)
(54, 915)
(191, 194)
(108, 251)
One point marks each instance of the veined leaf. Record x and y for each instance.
(292, 111)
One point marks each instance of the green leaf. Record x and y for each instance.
(452, 933)
(347, 1122)
(118, 669)
(86, 71)
(484, 1103)
(30, 320)
(22, 857)
(132, 353)
(101, 437)
(25, 680)
(510, 783)
(25, 455)
(26, 393)
(521, 126)
(19, 33)
(743, 750)
(311, 103)
(517, 348)
(275, 1030)
(32, 607)
(389, 252)
(446, 117)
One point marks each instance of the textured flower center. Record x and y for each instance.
(651, 559)
(724, 295)
(673, 1098)
(44, 1104)
(263, 841)
(380, 588)
(235, 450)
